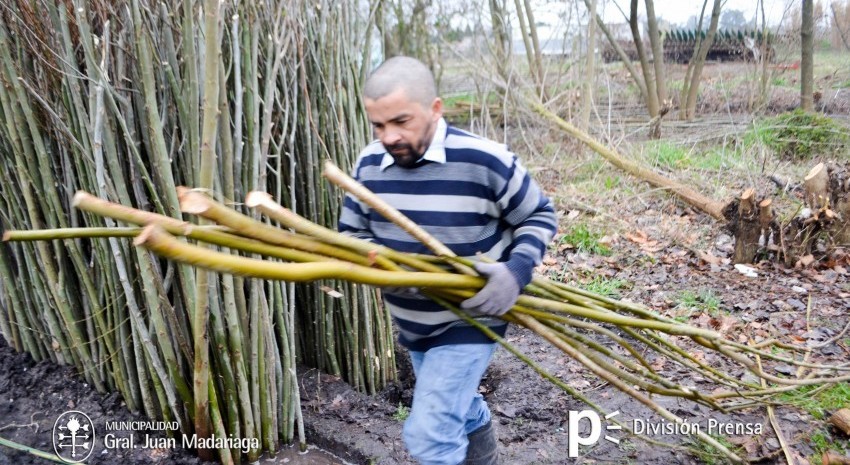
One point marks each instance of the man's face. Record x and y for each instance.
(405, 127)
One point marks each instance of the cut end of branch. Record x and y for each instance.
(330, 169)
(147, 233)
(182, 190)
(256, 198)
(193, 202)
(80, 197)
(814, 172)
(6, 236)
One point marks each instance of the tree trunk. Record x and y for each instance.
(839, 25)
(535, 44)
(807, 57)
(657, 44)
(821, 228)
(651, 89)
(686, 81)
(685, 193)
(501, 47)
(747, 228)
(533, 64)
(699, 62)
(590, 68)
(627, 62)
(764, 57)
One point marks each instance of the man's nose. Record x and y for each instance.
(391, 137)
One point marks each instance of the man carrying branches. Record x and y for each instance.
(473, 195)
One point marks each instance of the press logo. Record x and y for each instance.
(576, 439)
(73, 436)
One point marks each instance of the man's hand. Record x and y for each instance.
(498, 295)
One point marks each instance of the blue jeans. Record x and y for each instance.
(446, 402)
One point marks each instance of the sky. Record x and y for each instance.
(678, 11)
(549, 14)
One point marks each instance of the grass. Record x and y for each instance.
(468, 98)
(799, 135)
(709, 455)
(779, 81)
(584, 239)
(605, 286)
(401, 412)
(667, 155)
(821, 441)
(819, 402)
(704, 300)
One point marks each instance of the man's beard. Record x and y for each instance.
(406, 155)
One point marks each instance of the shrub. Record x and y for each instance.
(799, 134)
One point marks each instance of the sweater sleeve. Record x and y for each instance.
(354, 218)
(532, 217)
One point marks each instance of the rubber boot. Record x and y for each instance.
(482, 449)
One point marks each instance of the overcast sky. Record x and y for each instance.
(678, 11)
(550, 14)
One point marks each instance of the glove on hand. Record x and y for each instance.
(498, 295)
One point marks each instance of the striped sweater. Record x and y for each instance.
(470, 193)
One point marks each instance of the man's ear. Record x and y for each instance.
(437, 108)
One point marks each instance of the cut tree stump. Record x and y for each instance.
(820, 228)
(816, 232)
(841, 420)
(748, 229)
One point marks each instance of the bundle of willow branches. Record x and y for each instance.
(610, 338)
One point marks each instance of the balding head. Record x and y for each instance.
(405, 73)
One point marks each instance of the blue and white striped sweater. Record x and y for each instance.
(474, 196)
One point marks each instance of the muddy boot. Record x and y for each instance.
(482, 449)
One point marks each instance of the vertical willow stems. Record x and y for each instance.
(130, 98)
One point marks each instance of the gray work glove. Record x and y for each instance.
(498, 295)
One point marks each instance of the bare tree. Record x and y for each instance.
(839, 23)
(405, 30)
(620, 53)
(698, 62)
(652, 93)
(807, 56)
(590, 71)
(528, 31)
(501, 44)
(656, 43)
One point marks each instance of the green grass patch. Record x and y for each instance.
(821, 441)
(709, 455)
(584, 240)
(704, 300)
(779, 81)
(667, 155)
(818, 401)
(800, 135)
(401, 412)
(605, 286)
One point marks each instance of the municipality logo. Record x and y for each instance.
(73, 436)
